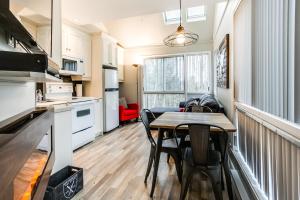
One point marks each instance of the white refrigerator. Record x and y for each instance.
(111, 98)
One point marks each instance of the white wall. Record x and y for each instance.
(16, 98)
(226, 96)
(128, 89)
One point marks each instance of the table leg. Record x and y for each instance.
(157, 157)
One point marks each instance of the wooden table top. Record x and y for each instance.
(169, 120)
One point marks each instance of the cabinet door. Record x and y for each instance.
(120, 63)
(106, 48)
(87, 57)
(65, 48)
(109, 52)
(75, 43)
(114, 54)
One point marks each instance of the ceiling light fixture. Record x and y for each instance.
(181, 37)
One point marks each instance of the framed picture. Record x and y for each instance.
(222, 63)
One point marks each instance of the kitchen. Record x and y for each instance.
(152, 99)
(79, 81)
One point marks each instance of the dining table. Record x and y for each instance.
(170, 120)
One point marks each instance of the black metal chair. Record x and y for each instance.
(201, 158)
(169, 146)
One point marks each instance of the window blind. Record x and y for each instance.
(270, 56)
(242, 50)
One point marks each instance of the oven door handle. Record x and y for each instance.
(83, 113)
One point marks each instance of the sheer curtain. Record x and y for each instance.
(170, 80)
(198, 73)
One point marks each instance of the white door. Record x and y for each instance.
(111, 110)
(111, 78)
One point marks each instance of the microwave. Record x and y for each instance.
(72, 66)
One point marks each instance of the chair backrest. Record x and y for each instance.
(200, 137)
(145, 119)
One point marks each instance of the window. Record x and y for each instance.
(195, 14)
(172, 17)
(169, 80)
(197, 74)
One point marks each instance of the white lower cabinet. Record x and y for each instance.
(99, 117)
(62, 137)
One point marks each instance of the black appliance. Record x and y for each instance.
(32, 64)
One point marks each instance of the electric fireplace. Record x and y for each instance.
(26, 155)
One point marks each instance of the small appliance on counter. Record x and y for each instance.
(78, 90)
(83, 112)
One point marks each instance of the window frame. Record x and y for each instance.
(199, 18)
(185, 92)
(170, 22)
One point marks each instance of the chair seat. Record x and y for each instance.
(130, 112)
(214, 157)
(170, 143)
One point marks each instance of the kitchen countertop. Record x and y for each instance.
(60, 105)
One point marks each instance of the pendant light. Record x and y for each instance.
(181, 37)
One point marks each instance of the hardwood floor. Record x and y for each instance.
(115, 165)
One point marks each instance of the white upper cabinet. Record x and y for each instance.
(87, 57)
(120, 56)
(72, 42)
(78, 44)
(109, 49)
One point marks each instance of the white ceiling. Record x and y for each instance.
(150, 30)
(95, 11)
(137, 22)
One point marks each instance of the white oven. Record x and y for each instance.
(83, 115)
(83, 123)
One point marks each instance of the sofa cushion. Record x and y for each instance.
(211, 103)
(123, 102)
(130, 112)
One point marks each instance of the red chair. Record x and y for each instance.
(132, 112)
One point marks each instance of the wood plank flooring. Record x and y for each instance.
(115, 165)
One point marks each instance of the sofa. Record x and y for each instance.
(206, 100)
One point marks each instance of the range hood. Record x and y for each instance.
(30, 64)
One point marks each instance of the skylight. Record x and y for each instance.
(172, 16)
(195, 14)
